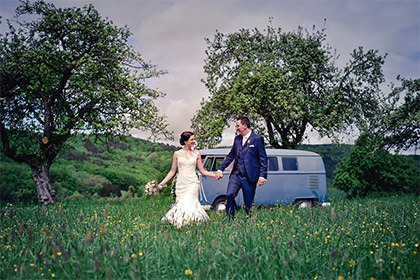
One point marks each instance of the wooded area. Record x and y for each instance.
(91, 170)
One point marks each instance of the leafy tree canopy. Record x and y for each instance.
(69, 70)
(400, 126)
(371, 170)
(286, 83)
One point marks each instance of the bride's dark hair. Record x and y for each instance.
(185, 136)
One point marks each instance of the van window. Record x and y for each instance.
(213, 163)
(208, 163)
(218, 161)
(273, 164)
(289, 163)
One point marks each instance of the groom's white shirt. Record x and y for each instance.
(244, 138)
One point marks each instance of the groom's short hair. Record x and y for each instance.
(244, 120)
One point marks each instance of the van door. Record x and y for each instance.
(274, 190)
(210, 188)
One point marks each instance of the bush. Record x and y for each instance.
(374, 171)
(76, 196)
(129, 194)
(108, 189)
(16, 183)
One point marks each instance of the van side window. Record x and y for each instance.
(273, 164)
(217, 163)
(208, 163)
(289, 163)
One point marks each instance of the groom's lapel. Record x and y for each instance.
(239, 144)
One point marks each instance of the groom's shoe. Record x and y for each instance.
(230, 213)
(248, 212)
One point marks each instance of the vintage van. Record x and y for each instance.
(294, 177)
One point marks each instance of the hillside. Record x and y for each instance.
(89, 168)
(86, 167)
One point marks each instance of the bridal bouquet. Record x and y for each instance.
(152, 188)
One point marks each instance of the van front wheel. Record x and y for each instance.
(301, 204)
(219, 204)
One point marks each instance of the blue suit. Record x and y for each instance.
(250, 164)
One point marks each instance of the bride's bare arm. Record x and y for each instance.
(201, 168)
(171, 173)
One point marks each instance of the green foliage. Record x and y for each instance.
(400, 127)
(129, 194)
(91, 168)
(112, 239)
(370, 170)
(16, 183)
(76, 196)
(108, 190)
(68, 70)
(88, 171)
(285, 83)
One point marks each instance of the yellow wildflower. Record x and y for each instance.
(188, 272)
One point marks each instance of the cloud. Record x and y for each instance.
(171, 35)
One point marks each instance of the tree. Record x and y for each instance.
(68, 71)
(400, 126)
(372, 170)
(286, 83)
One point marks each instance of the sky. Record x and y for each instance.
(171, 35)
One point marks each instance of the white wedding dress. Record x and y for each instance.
(187, 209)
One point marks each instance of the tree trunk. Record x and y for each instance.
(41, 176)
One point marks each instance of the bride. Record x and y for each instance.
(187, 209)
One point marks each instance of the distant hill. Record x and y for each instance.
(86, 167)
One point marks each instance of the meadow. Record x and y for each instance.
(371, 238)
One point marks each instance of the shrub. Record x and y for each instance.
(129, 194)
(76, 196)
(370, 170)
(108, 189)
(16, 183)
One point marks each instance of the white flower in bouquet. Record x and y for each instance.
(152, 188)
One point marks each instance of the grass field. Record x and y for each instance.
(351, 239)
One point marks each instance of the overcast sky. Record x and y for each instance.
(171, 34)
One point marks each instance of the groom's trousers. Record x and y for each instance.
(237, 182)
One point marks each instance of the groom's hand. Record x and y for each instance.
(261, 181)
(219, 174)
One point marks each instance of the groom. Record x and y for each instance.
(249, 168)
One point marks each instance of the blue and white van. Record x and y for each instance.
(294, 177)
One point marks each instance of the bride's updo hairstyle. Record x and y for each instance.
(185, 136)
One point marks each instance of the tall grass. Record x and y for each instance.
(352, 239)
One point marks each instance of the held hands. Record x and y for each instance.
(219, 175)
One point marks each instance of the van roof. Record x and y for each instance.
(270, 152)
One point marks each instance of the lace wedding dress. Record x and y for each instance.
(187, 209)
